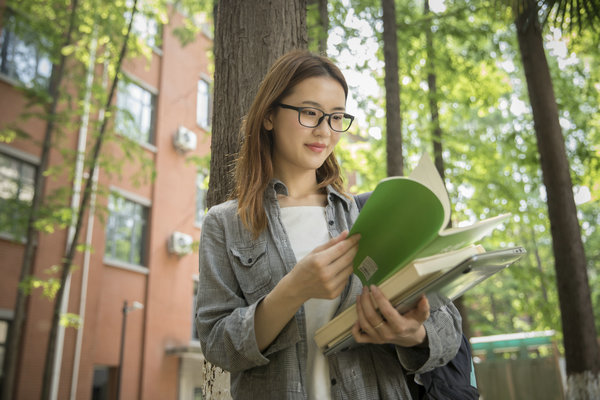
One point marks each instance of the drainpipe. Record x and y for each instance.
(83, 298)
(86, 259)
(75, 199)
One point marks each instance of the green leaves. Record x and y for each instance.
(490, 150)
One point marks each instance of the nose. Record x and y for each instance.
(323, 126)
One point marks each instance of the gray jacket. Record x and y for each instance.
(237, 272)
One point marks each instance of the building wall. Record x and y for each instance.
(165, 289)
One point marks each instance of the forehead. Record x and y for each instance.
(323, 90)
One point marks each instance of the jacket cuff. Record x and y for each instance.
(288, 337)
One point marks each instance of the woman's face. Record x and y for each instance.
(299, 149)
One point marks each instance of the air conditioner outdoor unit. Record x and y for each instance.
(184, 140)
(180, 243)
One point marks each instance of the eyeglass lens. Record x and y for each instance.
(310, 117)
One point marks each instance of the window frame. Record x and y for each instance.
(7, 316)
(143, 18)
(104, 382)
(10, 40)
(153, 40)
(121, 121)
(130, 264)
(23, 159)
(205, 123)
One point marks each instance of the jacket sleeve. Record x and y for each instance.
(444, 334)
(224, 319)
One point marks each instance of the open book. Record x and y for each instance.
(405, 219)
(404, 245)
(405, 288)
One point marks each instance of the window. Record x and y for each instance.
(104, 384)
(16, 195)
(203, 108)
(135, 115)
(145, 25)
(147, 29)
(126, 230)
(201, 189)
(3, 336)
(195, 336)
(21, 56)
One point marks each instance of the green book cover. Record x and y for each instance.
(404, 219)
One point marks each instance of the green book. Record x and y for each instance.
(405, 219)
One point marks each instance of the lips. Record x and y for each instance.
(316, 147)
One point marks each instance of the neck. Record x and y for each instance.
(302, 190)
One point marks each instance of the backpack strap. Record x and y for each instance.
(361, 199)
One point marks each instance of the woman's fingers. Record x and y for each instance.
(324, 272)
(370, 322)
(379, 322)
(341, 249)
(332, 242)
(421, 311)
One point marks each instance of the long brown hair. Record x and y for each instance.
(254, 167)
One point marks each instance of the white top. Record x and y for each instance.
(306, 227)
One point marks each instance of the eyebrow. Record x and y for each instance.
(317, 105)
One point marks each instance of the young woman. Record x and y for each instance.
(276, 261)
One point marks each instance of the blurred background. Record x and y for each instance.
(119, 123)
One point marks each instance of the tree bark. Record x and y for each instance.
(395, 161)
(249, 36)
(582, 351)
(436, 130)
(324, 33)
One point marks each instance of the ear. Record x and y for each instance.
(268, 121)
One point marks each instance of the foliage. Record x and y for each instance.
(313, 24)
(490, 152)
(48, 286)
(96, 44)
(70, 320)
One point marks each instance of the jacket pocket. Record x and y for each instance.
(251, 266)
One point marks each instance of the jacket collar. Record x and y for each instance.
(276, 187)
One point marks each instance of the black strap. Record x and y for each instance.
(361, 199)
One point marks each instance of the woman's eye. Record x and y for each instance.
(337, 117)
(309, 112)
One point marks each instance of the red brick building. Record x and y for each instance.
(140, 247)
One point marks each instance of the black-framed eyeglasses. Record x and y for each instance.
(311, 117)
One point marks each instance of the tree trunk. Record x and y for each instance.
(436, 136)
(254, 34)
(15, 333)
(393, 124)
(324, 33)
(78, 221)
(436, 130)
(582, 352)
(249, 36)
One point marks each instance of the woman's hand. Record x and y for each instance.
(387, 325)
(324, 272)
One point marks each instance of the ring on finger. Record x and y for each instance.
(379, 324)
